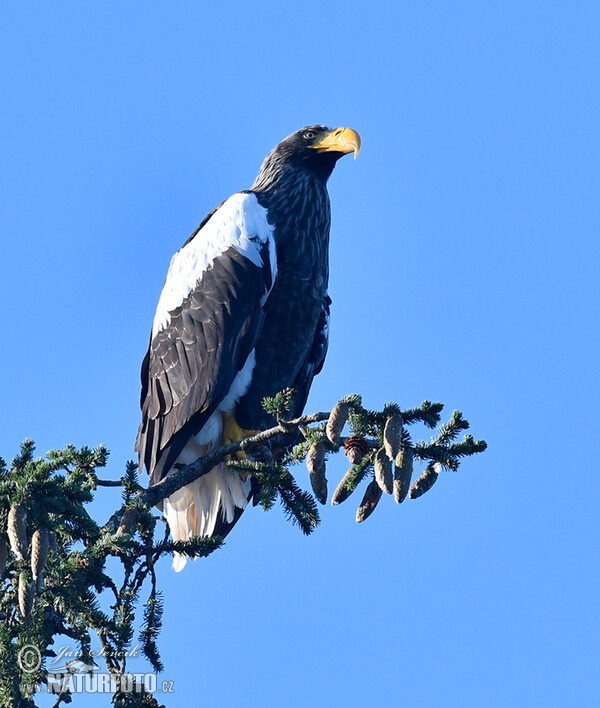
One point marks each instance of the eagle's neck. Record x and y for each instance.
(296, 201)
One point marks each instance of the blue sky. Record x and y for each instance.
(464, 265)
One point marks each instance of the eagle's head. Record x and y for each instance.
(314, 149)
(314, 141)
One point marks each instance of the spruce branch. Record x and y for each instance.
(54, 555)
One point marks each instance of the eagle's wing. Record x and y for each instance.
(208, 319)
(315, 359)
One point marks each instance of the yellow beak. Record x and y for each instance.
(342, 140)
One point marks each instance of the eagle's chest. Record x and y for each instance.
(291, 317)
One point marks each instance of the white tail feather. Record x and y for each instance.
(195, 509)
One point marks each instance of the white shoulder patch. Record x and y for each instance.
(238, 223)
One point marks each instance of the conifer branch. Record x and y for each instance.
(48, 536)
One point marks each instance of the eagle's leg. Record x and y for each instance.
(232, 432)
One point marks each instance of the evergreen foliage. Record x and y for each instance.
(55, 574)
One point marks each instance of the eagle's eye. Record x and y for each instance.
(310, 134)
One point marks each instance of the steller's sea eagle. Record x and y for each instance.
(243, 314)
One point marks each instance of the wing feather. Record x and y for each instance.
(209, 317)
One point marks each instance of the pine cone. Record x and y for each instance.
(39, 555)
(343, 491)
(392, 435)
(425, 482)
(383, 471)
(128, 521)
(402, 474)
(17, 533)
(315, 461)
(356, 448)
(337, 420)
(369, 501)
(26, 592)
(3, 554)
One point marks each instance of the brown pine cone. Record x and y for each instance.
(369, 501)
(403, 473)
(342, 491)
(337, 420)
(39, 555)
(383, 471)
(315, 461)
(425, 482)
(17, 533)
(392, 435)
(128, 521)
(26, 592)
(356, 448)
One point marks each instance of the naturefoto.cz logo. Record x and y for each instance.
(78, 677)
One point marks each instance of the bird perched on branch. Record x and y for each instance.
(243, 314)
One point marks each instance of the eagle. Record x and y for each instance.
(243, 314)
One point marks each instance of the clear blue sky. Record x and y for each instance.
(464, 268)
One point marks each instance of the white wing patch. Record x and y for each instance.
(238, 223)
